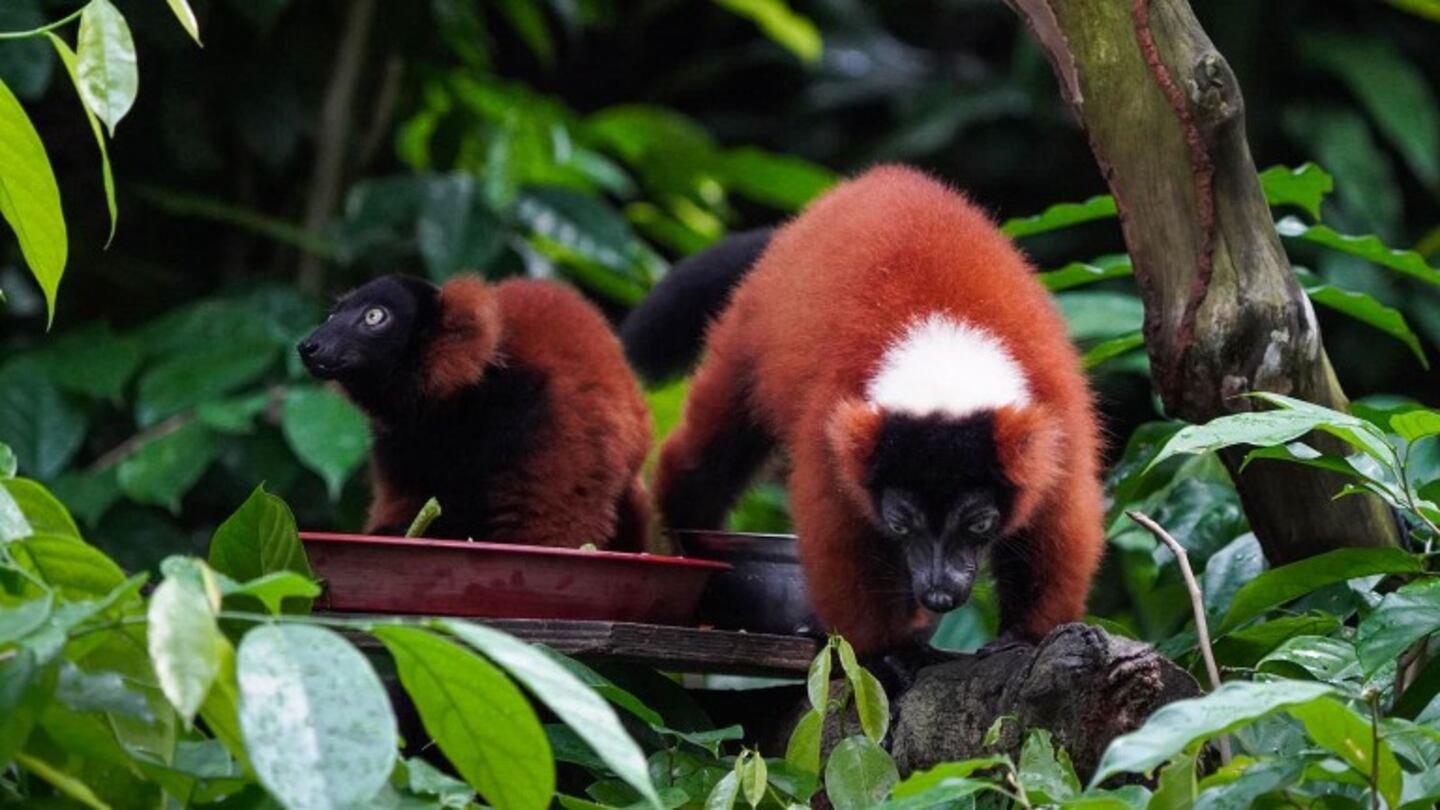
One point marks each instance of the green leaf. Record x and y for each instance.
(528, 21)
(753, 777)
(25, 687)
(1393, 91)
(61, 781)
(273, 589)
(1175, 789)
(1062, 215)
(1304, 187)
(1365, 309)
(89, 495)
(258, 539)
(186, 16)
(41, 425)
(100, 691)
(166, 468)
(1243, 648)
(315, 717)
(17, 621)
(105, 61)
(107, 177)
(817, 681)
(871, 704)
(327, 433)
(1402, 618)
(480, 720)
(1111, 349)
(944, 794)
(30, 198)
(92, 361)
(423, 778)
(858, 774)
(1092, 316)
(1260, 778)
(1428, 9)
(1416, 424)
(1076, 274)
(921, 783)
(13, 523)
(8, 463)
(592, 241)
(803, 748)
(1326, 659)
(1046, 774)
(183, 636)
(1335, 727)
(723, 795)
(221, 708)
(75, 569)
(1176, 726)
(607, 689)
(199, 375)
(575, 704)
(455, 229)
(1406, 262)
(782, 181)
(1280, 585)
(43, 510)
(790, 30)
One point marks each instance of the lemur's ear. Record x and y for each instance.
(852, 432)
(1028, 442)
(467, 338)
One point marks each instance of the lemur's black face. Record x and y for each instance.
(938, 491)
(370, 332)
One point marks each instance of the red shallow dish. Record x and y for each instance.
(369, 574)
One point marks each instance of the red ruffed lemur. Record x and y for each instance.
(512, 405)
(899, 348)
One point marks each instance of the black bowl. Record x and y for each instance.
(764, 590)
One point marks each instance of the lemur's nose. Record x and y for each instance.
(307, 348)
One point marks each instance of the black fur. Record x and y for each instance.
(936, 483)
(700, 498)
(663, 336)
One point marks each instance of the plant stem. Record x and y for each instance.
(35, 32)
(1197, 604)
(1374, 701)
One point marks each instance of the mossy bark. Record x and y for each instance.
(1224, 314)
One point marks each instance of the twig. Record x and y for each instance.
(1373, 698)
(1197, 604)
(385, 104)
(424, 518)
(330, 136)
(159, 430)
(33, 32)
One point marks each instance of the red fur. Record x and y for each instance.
(579, 484)
(805, 332)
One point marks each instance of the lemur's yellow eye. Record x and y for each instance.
(982, 525)
(374, 316)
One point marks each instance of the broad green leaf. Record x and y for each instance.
(529, 22)
(75, 569)
(607, 689)
(710, 739)
(273, 589)
(1406, 262)
(944, 794)
(44, 512)
(1046, 774)
(1320, 657)
(42, 426)
(1095, 316)
(1417, 424)
(1174, 727)
(1228, 570)
(92, 361)
(63, 782)
(105, 62)
(1337, 728)
(1280, 585)
(315, 717)
(455, 228)
(327, 433)
(817, 681)
(13, 525)
(184, 638)
(1111, 349)
(1076, 274)
(591, 240)
(481, 721)
(1061, 215)
(88, 495)
(1305, 187)
(8, 465)
(1245, 647)
(107, 177)
(1176, 787)
(221, 708)
(871, 704)
(1428, 9)
(568, 697)
(17, 621)
(803, 748)
(424, 779)
(793, 31)
(186, 16)
(258, 539)
(1402, 618)
(1258, 779)
(1394, 91)
(167, 467)
(783, 181)
(921, 782)
(1367, 310)
(858, 774)
(723, 795)
(753, 777)
(199, 375)
(30, 198)
(25, 687)
(100, 691)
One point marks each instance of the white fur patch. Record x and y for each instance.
(942, 365)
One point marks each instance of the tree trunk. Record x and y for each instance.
(1224, 314)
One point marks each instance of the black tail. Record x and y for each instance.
(663, 335)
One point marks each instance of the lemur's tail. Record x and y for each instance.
(664, 334)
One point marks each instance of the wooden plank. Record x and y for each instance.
(675, 649)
